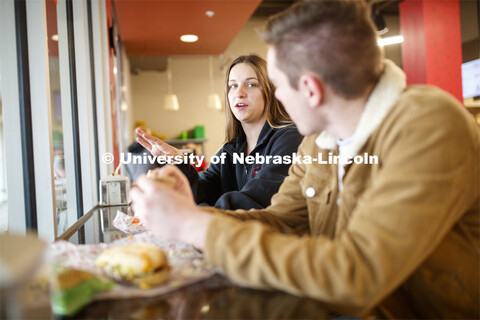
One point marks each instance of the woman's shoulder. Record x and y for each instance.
(290, 130)
(228, 147)
(286, 137)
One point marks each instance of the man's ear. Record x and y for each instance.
(312, 87)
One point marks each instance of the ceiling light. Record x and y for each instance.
(170, 102)
(214, 102)
(390, 40)
(209, 13)
(213, 99)
(55, 37)
(379, 20)
(189, 38)
(380, 24)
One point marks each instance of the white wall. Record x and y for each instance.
(190, 82)
(248, 41)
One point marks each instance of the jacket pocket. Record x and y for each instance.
(318, 187)
(320, 212)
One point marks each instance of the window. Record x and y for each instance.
(3, 176)
(59, 172)
(56, 107)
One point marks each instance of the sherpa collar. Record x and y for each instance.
(383, 98)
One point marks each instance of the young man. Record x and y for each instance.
(400, 236)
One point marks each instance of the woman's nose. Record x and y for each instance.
(241, 91)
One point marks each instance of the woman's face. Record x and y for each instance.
(245, 95)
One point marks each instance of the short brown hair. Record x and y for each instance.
(334, 39)
(277, 117)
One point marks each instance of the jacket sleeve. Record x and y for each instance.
(257, 193)
(428, 179)
(290, 218)
(206, 186)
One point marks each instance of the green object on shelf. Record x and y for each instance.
(198, 132)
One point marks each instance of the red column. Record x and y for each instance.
(432, 49)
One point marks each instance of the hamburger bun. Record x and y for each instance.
(144, 265)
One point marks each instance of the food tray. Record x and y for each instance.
(188, 265)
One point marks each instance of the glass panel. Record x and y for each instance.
(3, 176)
(56, 113)
(98, 227)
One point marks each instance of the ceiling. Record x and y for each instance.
(51, 8)
(150, 29)
(154, 27)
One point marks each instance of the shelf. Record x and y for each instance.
(180, 142)
(177, 142)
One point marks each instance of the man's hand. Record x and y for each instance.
(156, 146)
(181, 183)
(168, 213)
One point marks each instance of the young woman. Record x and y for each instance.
(256, 123)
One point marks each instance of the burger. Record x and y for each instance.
(71, 289)
(140, 264)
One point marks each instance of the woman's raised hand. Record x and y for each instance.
(156, 146)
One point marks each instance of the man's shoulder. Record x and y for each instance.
(432, 105)
(309, 145)
(426, 98)
(423, 111)
(310, 139)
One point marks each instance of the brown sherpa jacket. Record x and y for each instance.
(402, 237)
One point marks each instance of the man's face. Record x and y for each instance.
(294, 100)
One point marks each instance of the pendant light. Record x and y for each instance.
(170, 101)
(213, 100)
(379, 20)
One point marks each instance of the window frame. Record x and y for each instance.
(11, 116)
(41, 119)
(83, 45)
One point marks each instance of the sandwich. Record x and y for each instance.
(72, 289)
(140, 264)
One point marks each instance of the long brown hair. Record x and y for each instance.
(277, 117)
